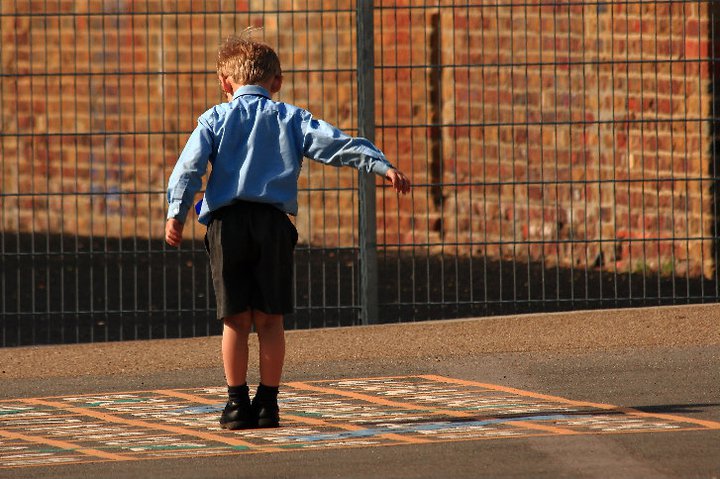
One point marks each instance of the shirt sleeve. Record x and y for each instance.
(327, 144)
(186, 178)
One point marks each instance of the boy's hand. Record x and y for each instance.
(173, 232)
(399, 181)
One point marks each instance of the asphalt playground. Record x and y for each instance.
(631, 393)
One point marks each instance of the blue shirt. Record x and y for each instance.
(256, 147)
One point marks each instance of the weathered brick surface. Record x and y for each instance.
(586, 123)
(533, 132)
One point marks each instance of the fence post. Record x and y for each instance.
(366, 181)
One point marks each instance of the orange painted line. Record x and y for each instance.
(627, 410)
(301, 419)
(518, 392)
(432, 410)
(382, 378)
(88, 395)
(186, 396)
(45, 415)
(260, 450)
(64, 463)
(369, 398)
(286, 450)
(68, 446)
(142, 424)
(210, 402)
(464, 382)
(95, 395)
(670, 417)
(542, 427)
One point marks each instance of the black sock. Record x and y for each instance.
(239, 393)
(266, 393)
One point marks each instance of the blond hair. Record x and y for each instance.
(246, 61)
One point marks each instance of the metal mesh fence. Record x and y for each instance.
(563, 156)
(563, 152)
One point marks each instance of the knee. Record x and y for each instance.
(267, 324)
(241, 323)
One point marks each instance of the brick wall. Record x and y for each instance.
(551, 133)
(588, 126)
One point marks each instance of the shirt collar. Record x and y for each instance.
(251, 90)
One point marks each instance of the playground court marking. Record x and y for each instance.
(329, 414)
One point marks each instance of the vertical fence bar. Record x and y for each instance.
(366, 181)
(712, 152)
(3, 268)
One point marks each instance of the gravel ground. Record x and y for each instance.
(677, 326)
(662, 360)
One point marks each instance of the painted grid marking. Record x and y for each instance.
(329, 414)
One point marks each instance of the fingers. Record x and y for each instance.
(400, 182)
(404, 185)
(173, 232)
(173, 240)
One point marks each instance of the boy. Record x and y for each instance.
(256, 146)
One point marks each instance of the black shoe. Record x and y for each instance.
(238, 415)
(267, 413)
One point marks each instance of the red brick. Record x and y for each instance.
(474, 96)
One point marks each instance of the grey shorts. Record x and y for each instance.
(251, 248)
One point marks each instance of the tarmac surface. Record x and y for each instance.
(617, 393)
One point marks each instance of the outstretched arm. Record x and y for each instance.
(325, 143)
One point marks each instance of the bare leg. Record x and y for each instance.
(235, 347)
(271, 336)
